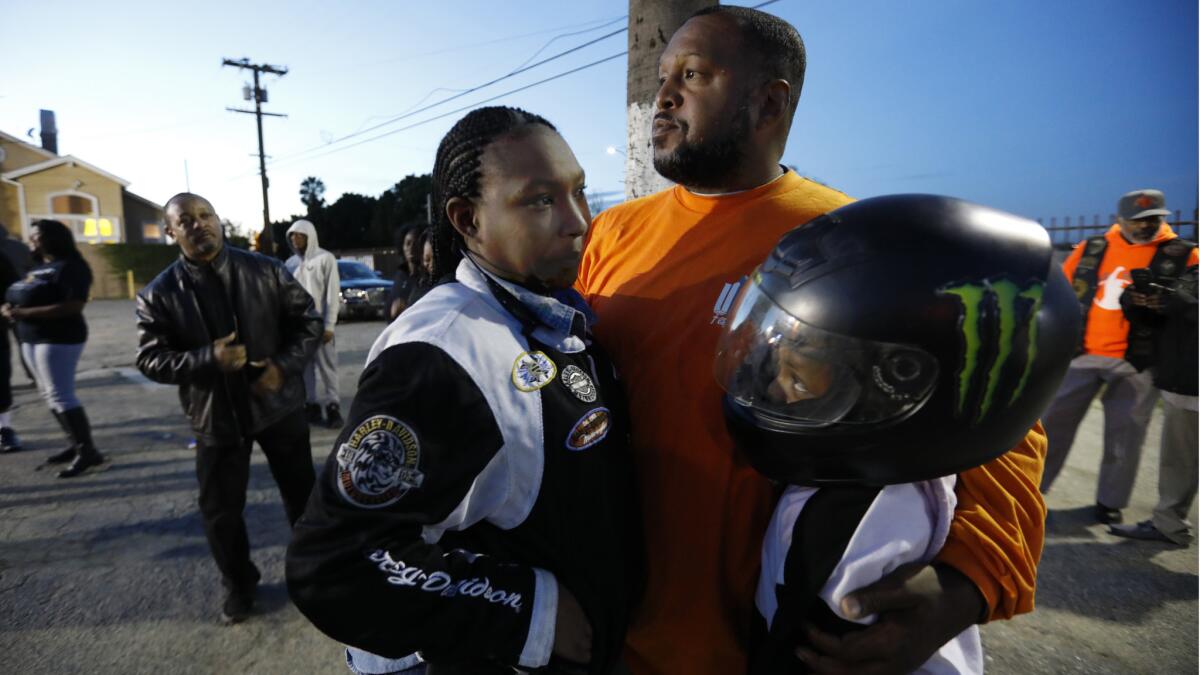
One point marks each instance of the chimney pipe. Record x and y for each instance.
(49, 131)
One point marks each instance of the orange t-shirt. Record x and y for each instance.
(661, 273)
(1107, 330)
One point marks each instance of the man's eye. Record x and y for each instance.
(543, 200)
(689, 74)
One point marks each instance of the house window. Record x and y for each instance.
(73, 205)
(151, 231)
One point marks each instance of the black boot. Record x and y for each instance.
(87, 457)
(63, 456)
(312, 411)
(9, 442)
(333, 416)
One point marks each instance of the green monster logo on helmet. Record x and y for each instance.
(976, 299)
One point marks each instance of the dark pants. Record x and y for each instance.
(224, 471)
(5, 369)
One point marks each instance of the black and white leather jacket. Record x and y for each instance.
(485, 457)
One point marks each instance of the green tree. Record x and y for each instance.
(312, 193)
(401, 204)
(347, 222)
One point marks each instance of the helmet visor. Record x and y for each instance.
(795, 375)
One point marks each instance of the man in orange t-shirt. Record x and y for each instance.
(662, 273)
(1113, 352)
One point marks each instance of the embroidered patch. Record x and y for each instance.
(532, 371)
(379, 462)
(1166, 268)
(589, 430)
(578, 383)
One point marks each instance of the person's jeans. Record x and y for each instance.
(53, 367)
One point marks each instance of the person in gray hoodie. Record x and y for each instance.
(316, 270)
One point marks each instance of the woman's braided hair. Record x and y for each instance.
(456, 172)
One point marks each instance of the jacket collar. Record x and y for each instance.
(219, 264)
(564, 312)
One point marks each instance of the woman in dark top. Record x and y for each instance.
(47, 306)
(423, 279)
(406, 275)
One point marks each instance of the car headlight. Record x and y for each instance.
(354, 294)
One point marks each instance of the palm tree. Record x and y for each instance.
(312, 193)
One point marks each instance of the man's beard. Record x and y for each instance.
(707, 163)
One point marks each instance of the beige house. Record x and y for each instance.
(36, 183)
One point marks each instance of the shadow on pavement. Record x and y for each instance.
(1120, 581)
(1069, 522)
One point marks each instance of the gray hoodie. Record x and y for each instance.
(317, 272)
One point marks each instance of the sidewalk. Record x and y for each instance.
(110, 573)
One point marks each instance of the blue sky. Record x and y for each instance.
(1050, 108)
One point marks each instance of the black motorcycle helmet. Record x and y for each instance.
(896, 339)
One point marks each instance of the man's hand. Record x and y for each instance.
(271, 379)
(230, 357)
(572, 632)
(920, 607)
(11, 313)
(1152, 301)
(326, 337)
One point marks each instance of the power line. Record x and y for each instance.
(460, 94)
(477, 45)
(458, 110)
(294, 158)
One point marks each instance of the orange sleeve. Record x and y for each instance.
(583, 278)
(998, 528)
(1195, 255)
(1072, 260)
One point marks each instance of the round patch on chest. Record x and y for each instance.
(579, 384)
(532, 371)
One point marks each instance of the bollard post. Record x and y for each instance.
(129, 282)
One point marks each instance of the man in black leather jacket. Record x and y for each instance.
(234, 330)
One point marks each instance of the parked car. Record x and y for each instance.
(363, 292)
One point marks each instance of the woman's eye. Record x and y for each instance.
(544, 200)
(580, 191)
(689, 74)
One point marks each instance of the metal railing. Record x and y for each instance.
(1067, 232)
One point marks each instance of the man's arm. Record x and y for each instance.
(156, 357)
(999, 525)
(987, 569)
(333, 295)
(301, 325)
(368, 563)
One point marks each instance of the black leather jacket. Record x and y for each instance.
(275, 319)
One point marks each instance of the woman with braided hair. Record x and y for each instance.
(477, 513)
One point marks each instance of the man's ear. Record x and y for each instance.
(461, 214)
(775, 101)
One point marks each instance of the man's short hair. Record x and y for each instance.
(181, 197)
(775, 42)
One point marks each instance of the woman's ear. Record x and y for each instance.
(461, 214)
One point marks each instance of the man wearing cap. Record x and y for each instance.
(1114, 351)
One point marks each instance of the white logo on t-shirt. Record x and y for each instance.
(1109, 296)
(725, 302)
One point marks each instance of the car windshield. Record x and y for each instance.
(349, 269)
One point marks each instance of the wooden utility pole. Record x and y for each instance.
(259, 94)
(651, 23)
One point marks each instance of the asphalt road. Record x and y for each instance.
(110, 573)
